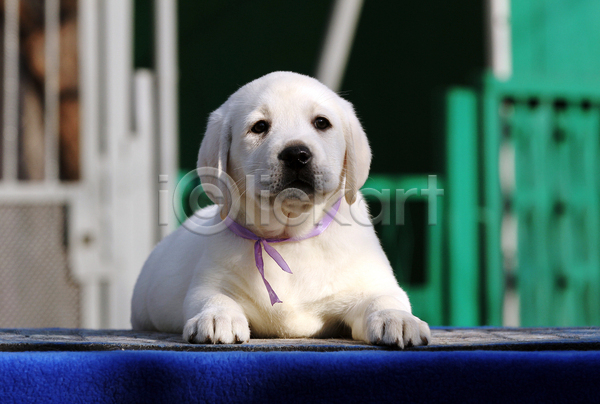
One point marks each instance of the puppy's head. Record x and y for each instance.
(287, 138)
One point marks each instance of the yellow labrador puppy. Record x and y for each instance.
(289, 250)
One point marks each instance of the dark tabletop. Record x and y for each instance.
(443, 339)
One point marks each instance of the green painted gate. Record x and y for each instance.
(521, 154)
(553, 130)
(545, 123)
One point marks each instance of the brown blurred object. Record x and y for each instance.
(32, 14)
(34, 52)
(69, 136)
(32, 78)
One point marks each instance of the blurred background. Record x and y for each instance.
(104, 103)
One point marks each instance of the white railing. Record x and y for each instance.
(128, 132)
(51, 88)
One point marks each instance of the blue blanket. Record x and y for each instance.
(300, 377)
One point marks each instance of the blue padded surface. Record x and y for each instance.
(541, 365)
(300, 377)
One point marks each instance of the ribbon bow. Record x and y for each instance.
(263, 243)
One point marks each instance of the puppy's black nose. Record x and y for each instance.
(295, 157)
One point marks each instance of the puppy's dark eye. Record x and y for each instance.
(260, 127)
(322, 123)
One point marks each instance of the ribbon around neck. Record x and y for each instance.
(263, 243)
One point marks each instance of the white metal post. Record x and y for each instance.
(166, 63)
(500, 41)
(84, 216)
(11, 90)
(118, 26)
(338, 42)
(51, 88)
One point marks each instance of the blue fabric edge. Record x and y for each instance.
(298, 377)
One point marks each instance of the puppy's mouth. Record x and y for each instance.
(291, 185)
(297, 197)
(302, 185)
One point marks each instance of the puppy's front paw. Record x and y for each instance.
(397, 328)
(217, 327)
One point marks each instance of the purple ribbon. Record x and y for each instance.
(263, 243)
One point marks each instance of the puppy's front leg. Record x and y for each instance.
(216, 319)
(385, 320)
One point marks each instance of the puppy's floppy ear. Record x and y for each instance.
(214, 152)
(358, 153)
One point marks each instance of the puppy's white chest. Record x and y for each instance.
(285, 321)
